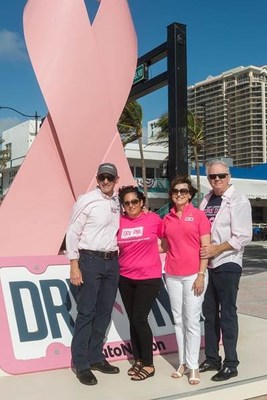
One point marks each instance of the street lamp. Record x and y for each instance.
(35, 116)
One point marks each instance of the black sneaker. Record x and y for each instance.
(86, 377)
(105, 367)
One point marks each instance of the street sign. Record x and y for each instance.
(141, 73)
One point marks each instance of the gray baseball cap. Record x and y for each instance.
(107, 168)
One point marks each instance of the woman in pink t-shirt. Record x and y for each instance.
(185, 230)
(140, 275)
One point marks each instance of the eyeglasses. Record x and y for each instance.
(133, 202)
(220, 176)
(102, 177)
(183, 192)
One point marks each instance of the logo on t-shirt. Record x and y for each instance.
(189, 218)
(132, 232)
(213, 207)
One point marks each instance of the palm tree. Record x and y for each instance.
(130, 128)
(163, 124)
(195, 140)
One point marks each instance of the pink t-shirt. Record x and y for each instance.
(138, 245)
(183, 236)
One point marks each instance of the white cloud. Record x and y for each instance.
(12, 47)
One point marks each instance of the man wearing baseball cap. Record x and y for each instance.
(93, 253)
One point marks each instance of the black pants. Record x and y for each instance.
(220, 312)
(138, 297)
(95, 299)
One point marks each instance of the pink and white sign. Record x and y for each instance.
(38, 311)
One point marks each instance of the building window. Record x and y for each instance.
(150, 174)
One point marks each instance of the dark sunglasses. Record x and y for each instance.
(220, 176)
(183, 192)
(102, 177)
(134, 202)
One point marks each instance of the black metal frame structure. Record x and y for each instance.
(176, 79)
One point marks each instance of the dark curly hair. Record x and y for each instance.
(131, 189)
(183, 179)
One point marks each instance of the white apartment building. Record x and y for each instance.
(152, 131)
(17, 140)
(233, 109)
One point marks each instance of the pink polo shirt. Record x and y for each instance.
(138, 245)
(183, 236)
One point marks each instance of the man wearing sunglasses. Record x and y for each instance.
(91, 243)
(230, 215)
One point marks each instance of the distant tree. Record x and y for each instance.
(195, 140)
(130, 129)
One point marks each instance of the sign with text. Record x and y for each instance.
(38, 310)
(141, 73)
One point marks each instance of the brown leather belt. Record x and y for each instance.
(107, 255)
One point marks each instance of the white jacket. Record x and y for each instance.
(232, 224)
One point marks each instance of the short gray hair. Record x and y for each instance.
(216, 162)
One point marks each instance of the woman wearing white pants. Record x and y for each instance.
(185, 230)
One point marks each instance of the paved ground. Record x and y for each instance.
(252, 298)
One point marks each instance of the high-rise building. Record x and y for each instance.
(232, 107)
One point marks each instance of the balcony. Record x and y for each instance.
(157, 187)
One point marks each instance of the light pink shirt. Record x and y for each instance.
(232, 224)
(94, 224)
(183, 236)
(138, 243)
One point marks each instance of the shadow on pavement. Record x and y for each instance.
(255, 259)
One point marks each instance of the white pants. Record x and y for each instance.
(186, 309)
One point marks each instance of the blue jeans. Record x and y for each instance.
(95, 299)
(220, 312)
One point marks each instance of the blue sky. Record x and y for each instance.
(220, 35)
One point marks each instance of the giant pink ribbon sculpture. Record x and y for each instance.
(85, 73)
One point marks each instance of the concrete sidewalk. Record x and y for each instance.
(252, 297)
